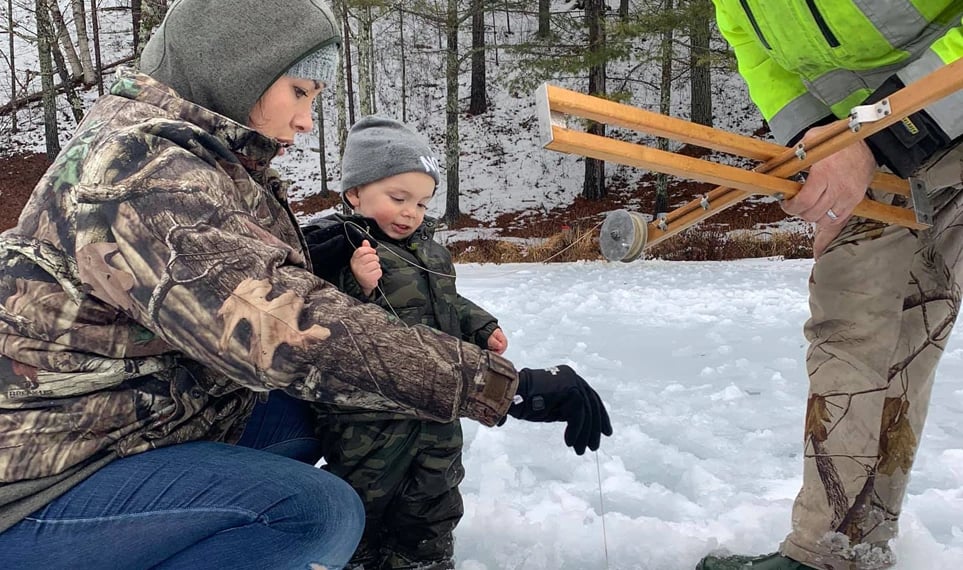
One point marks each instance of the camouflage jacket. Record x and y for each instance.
(157, 281)
(418, 277)
(417, 284)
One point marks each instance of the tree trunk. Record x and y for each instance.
(404, 65)
(452, 150)
(76, 105)
(478, 103)
(665, 107)
(83, 41)
(152, 13)
(593, 186)
(348, 68)
(66, 43)
(339, 102)
(45, 37)
(624, 10)
(95, 21)
(365, 63)
(372, 69)
(135, 8)
(700, 83)
(13, 68)
(544, 19)
(319, 105)
(494, 37)
(339, 96)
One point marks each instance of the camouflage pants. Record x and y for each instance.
(407, 473)
(883, 300)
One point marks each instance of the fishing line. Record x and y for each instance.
(605, 536)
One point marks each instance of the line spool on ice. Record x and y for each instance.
(623, 235)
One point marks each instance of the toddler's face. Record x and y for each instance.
(396, 203)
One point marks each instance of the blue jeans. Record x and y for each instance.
(202, 505)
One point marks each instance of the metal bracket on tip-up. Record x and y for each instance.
(921, 201)
(547, 117)
(861, 114)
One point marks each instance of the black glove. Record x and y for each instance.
(558, 394)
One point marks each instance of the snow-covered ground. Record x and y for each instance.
(702, 367)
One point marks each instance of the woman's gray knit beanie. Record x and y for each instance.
(224, 54)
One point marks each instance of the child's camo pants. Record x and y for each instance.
(407, 473)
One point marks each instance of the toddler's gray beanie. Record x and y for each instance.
(378, 147)
(224, 54)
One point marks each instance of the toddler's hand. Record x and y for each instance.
(498, 342)
(366, 267)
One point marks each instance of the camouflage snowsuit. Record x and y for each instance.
(157, 281)
(406, 471)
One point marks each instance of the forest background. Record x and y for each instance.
(463, 73)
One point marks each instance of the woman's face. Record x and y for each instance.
(285, 109)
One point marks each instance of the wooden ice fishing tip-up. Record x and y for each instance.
(625, 234)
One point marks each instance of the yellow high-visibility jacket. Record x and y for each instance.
(805, 60)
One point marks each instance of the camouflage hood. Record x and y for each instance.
(158, 240)
(227, 68)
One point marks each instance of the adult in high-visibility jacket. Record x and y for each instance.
(883, 298)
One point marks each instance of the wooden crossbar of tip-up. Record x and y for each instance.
(626, 234)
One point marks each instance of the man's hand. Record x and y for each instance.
(366, 267)
(835, 185)
(558, 394)
(498, 342)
